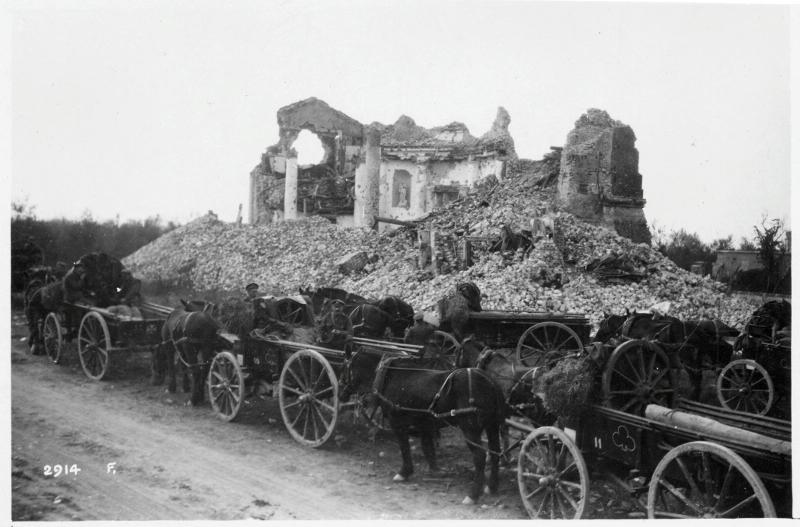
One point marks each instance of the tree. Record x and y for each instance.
(686, 248)
(747, 245)
(722, 244)
(771, 250)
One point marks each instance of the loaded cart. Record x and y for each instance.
(304, 377)
(101, 333)
(696, 461)
(538, 337)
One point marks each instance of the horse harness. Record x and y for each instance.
(380, 379)
(177, 344)
(485, 357)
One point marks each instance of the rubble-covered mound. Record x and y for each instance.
(568, 269)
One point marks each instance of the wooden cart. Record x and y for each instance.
(695, 462)
(101, 334)
(539, 337)
(304, 377)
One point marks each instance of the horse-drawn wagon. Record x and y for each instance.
(301, 368)
(694, 462)
(101, 333)
(758, 379)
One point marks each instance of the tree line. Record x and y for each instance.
(38, 242)
(768, 241)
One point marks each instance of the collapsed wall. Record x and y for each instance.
(599, 179)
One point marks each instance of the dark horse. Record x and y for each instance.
(42, 301)
(189, 337)
(370, 319)
(700, 344)
(413, 397)
(454, 309)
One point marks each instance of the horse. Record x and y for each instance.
(415, 398)
(189, 337)
(43, 300)
(401, 313)
(319, 296)
(454, 309)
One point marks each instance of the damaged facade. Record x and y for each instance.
(400, 171)
(599, 179)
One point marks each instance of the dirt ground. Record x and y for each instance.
(142, 454)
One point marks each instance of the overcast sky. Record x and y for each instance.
(139, 109)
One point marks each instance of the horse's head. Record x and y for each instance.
(199, 306)
(610, 326)
(470, 352)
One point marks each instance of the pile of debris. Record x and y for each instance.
(573, 266)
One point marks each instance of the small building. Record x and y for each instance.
(731, 261)
(400, 171)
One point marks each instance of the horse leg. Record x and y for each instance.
(473, 438)
(197, 384)
(429, 449)
(401, 433)
(493, 438)
(169, 357)
(157, 365)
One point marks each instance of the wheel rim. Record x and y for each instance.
(546, 343)
(309, 398)
(638, 373)
(93, 344)
(706, 480)
(745, 385)
(552, 475)
(51, 334)
(445, 349)
(225, 386)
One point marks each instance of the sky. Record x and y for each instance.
(137, 109)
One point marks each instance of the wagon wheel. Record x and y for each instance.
(545, 343)
(444, 347)
(706, 480)
(309, 397)
(225, 385)
(287, 312)
(335, 326)
(552, 475)
(53, 340)
(746, 386)
(638, 373)
(93, 345)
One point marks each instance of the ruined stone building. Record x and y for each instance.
(599, 179)
(400, 171)
(403, 171)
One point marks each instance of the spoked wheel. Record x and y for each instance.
(545, 343)
(552, 475)
(444, 347)
(706, 480)
(309, 397)
(745, 385)
(94, 344)
(638, 373)
(226, 385)
(53, 340)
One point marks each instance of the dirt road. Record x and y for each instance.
(141, 454)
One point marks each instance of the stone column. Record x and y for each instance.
(290, 190)
(368, 181)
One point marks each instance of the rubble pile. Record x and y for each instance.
(209, 254)
(557, 274)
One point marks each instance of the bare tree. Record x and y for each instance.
(771, 249)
